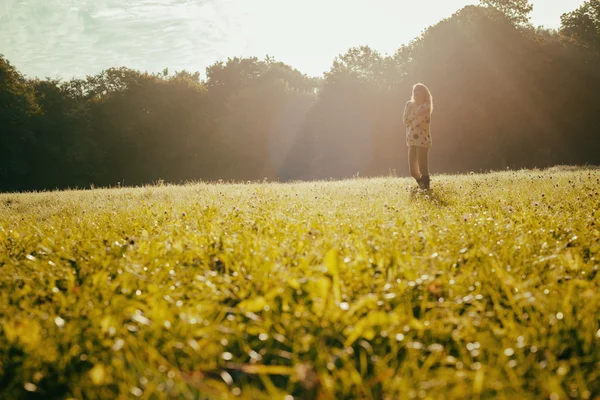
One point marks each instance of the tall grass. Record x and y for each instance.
(486, 287)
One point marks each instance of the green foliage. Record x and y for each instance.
(583, 25)
(516, 11)
(17, 106)
(261, 105)
(64, 136)
(148, 124)
(486, 287)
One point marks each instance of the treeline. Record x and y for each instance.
(506, 95)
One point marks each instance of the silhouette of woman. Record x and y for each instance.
(417, 119)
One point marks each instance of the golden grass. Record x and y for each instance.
(485, 287)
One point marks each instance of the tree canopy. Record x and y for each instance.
(583, 25)
(516, 11)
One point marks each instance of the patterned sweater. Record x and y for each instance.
(417, 120)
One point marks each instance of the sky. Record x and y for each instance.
(74, 38)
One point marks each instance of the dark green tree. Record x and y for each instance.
(65, 150)
(151, 126)
(17, 138)
(583, 25)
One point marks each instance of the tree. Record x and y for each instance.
(583, 25)
(64, 150)
(352, 128)
(516, 11)
(17, 106)
(151, 126)
(257, 108)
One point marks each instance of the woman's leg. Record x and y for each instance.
(423, 157)
(413, 163)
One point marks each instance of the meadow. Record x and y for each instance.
(485, 287)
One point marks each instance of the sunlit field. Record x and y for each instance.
(485, 287)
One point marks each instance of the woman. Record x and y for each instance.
(417, 119)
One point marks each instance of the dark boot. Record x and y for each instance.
(424, 182)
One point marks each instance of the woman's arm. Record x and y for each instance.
(406, 113)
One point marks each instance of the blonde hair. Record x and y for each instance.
(428, 96)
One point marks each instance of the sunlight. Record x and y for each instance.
(318, 199)
(74, 38)
(309, 34)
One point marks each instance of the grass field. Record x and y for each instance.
(487, 287)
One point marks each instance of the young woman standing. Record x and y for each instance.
(417, 119)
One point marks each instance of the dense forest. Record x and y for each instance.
(507, 95)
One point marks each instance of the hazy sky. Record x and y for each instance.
(66, 38)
